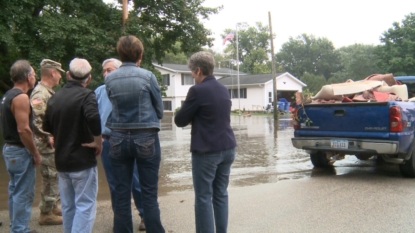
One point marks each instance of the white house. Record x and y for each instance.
(178, 79)
(256, 90)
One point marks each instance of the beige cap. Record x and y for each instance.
(47, 63)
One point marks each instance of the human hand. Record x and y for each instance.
(37, 159)
(50, 142)
(96, 144)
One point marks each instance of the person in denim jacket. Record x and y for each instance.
(137, 108)
(104, 107)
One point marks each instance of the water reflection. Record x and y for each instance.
(263, 155)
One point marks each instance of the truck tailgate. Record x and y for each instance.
(368, 119)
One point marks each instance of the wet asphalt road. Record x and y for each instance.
(273, 188)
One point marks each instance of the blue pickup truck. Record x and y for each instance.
(363, 129)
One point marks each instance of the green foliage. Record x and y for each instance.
(314, 82)
(397, 54)
(162, 23)
(307, 94)
(309, 54)
(63, 30)
(357, 62)
(219, 57)
(176, 56)
(254, 49)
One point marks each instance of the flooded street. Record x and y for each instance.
(262, 157)
(271, 184)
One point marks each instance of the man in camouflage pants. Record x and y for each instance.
(50, 213)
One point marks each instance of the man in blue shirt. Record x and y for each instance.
(105, 108)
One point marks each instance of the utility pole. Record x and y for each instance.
(124, 11)
(237, 65)
(274, 79)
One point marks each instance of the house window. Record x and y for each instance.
(167, 105)
(166, 79)
(234, 93)
(269, 97)
(187, 79)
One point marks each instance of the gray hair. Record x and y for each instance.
(80, 69)
(20, 70)
(117, 63)
(204, 61)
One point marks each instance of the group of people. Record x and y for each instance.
(63, 133)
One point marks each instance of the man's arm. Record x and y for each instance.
(38, 103)
(21, 110)
(97, 144)
(94, 122)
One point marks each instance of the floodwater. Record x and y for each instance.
(263, 155)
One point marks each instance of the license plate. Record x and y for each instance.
(339, 143)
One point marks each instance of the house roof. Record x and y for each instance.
(184, 69)
(254, 79)
(247, 79)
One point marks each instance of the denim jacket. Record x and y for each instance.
(135, 97)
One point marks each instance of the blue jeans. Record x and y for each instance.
(141, 147)
(210, 181)
(136, 190)
(21, 186)
(78, 192)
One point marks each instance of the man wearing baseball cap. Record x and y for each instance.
(50, 213)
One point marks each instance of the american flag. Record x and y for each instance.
(227, 37)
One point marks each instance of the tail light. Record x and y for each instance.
(294, 120)
(395, 119)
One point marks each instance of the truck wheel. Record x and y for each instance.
(319, 159)
(408, 168)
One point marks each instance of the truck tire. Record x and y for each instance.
(408, 168)
(319, 159)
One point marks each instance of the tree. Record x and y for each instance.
(253, 47)
(306, 53)
(357, 62)
(397, 54)
(62, 30)
(162, 23)
(314, 82)
(175, 56)
(56, 30)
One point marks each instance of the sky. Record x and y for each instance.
(342, 22)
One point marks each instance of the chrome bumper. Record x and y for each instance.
(355, 145)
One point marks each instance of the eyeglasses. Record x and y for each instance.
(108, 70)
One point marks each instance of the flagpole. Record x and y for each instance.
(237, 62)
